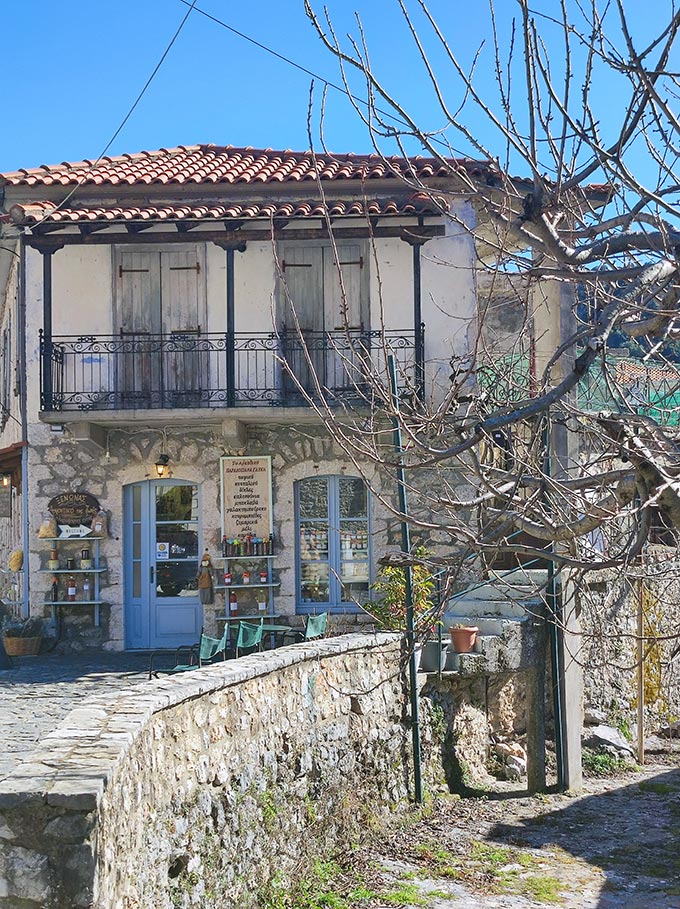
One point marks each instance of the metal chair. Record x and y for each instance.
(249, 636)
(315, 627)
(206, 651)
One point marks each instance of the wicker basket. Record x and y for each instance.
(22, 646)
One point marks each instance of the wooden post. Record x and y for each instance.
(640, 672)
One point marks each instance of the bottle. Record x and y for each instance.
(233, 603)
(224, 546)
(86, 589)
(263, 576)
(227, 578)
(55, 589)
(246, 577)
(71, 588)
(249, 544)
(53, 563)
(261, 606)
(85, 560)
(270, 544)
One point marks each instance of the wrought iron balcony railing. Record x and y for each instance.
(191, 369)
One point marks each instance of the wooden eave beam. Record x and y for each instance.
(236, 238)
(93, 227)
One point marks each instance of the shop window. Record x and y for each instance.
(333, 543)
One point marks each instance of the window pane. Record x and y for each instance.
(176, 578)
(136, 579)
(352, 496)
(353, 539)
(136, 504)
(314, 540)
(313, 498)
(314, 582)
(136, 541)
(355, 591)
(176, 503)
(179, 541)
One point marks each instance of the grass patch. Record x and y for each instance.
(438, 860)
(405, 894)
(602, 764)
(514, 871)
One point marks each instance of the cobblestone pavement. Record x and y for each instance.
(38, 692)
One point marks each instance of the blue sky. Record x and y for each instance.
(71, 70)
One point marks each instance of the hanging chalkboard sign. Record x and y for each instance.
(74, 508)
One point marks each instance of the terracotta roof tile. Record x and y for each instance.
(48, 212)
(203, 164)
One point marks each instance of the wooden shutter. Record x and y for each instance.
(350, 266)
(182, 283)
(139, 292)
(303, 277)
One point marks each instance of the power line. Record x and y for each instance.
(127, 116)
(303, 69)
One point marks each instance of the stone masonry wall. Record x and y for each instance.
(59, 463)
(609, 604)
(202, 790)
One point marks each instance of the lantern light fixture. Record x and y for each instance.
(6, 480)
(162, 465)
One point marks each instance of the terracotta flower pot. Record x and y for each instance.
(463, 639)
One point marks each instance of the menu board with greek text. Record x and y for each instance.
(246, 497)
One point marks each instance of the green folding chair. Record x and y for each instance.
(193, 656)
(249, 636)
(315, 627)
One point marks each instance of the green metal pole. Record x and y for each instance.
(554, 604)
(408, 578)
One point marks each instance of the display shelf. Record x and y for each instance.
(96, 570)
(242, 558)
(72, 570)
(262, 591)
(74, 602)
(245, 586)
(70, 539)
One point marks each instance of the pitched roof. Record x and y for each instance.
(49, 212)
(214, 164)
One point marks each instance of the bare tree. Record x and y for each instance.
(547, 444)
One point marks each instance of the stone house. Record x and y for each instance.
(165, 319)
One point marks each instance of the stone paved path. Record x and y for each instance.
(614, 846)
(38, 692)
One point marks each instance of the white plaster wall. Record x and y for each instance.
(81, 291)
(34, 322)
(392, 285)
(448, 296)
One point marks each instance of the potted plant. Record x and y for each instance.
(463, 637)
(389, 607)
(22, 637)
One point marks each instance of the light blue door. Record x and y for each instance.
(161, 549)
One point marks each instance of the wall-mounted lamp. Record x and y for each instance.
(6, 480)
(162, 465)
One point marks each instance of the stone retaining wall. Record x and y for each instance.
(205, 790)
(609, 603)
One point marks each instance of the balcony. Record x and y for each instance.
(195, 370)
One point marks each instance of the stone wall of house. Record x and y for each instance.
(206, 790)
(61, 463)
(609, 606)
